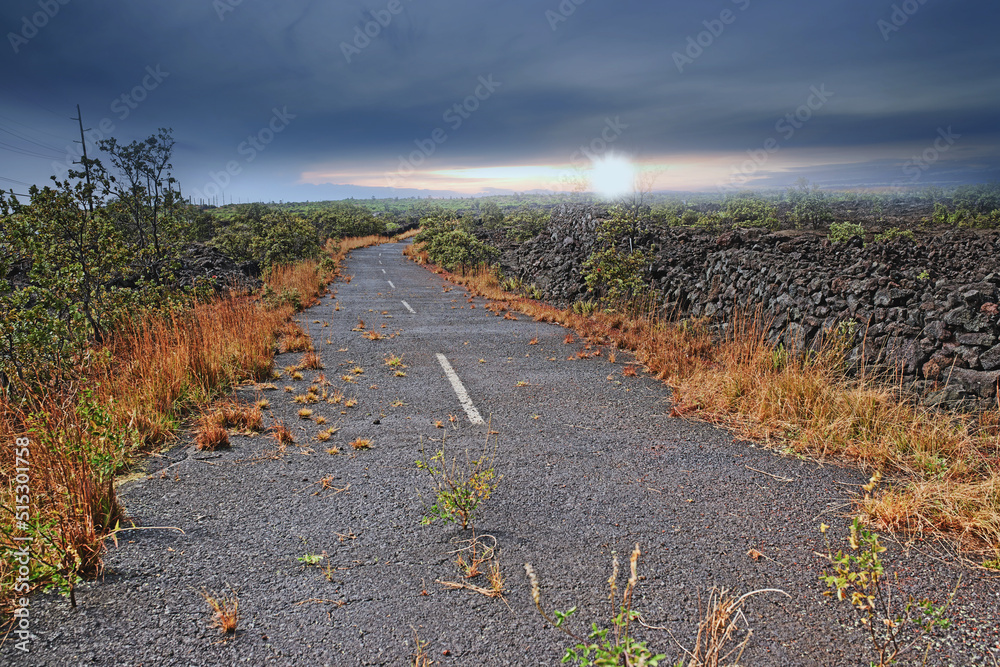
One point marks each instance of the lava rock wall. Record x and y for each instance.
(926, 309)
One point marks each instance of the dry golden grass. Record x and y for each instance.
(225, 612)
(211, 437)
(294, 339)
(281, 433)
(361, 443)
(311, 361)
(946, 467)
(718, 628)
(74, 503)
(230, 414)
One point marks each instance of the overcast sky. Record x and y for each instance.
(313, 99)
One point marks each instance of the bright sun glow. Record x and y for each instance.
(612, 176)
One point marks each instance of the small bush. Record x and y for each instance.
(893, 233)
(459, 488)
(841, 232)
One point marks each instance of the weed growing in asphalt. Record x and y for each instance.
(394, 361)
(310, 559)
(282, 434)
(459, 487)
(211, 437)
(361, 443)
(479, 557)
(305, 413)
(225, 611)
(716, 629)
(858, 577)
(603, 646)
(311, 361)
(421, 658)
(294, 339)
(230, 414)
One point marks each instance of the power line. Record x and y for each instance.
(33, 129)
(27, 152)
(15, 181)
(17, 135)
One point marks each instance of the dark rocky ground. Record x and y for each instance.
(591, 463)
(922, 309)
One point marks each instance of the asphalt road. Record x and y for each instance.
(590, 461)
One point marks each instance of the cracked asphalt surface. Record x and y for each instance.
(591, 462)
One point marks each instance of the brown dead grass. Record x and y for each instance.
(945, 467)
(131, 396)
(225, 611)
(211, 438)
(311, 361)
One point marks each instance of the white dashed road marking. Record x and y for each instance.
(463, 395)
(383, 270)
(408, 307)
(390, 284)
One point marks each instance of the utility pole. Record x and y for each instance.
(86, 162)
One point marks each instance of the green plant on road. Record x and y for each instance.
(603, 647)
(858, 577)
(459, 487)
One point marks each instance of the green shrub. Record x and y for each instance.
(894, 233)
(451, 245)
(750, 211)
(616, 268)
(810, 207)
(689, 218)
(845, 231)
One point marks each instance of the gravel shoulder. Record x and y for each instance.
(591, 463)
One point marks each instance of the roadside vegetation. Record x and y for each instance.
(106, 354)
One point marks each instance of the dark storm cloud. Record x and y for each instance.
(686, 77)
